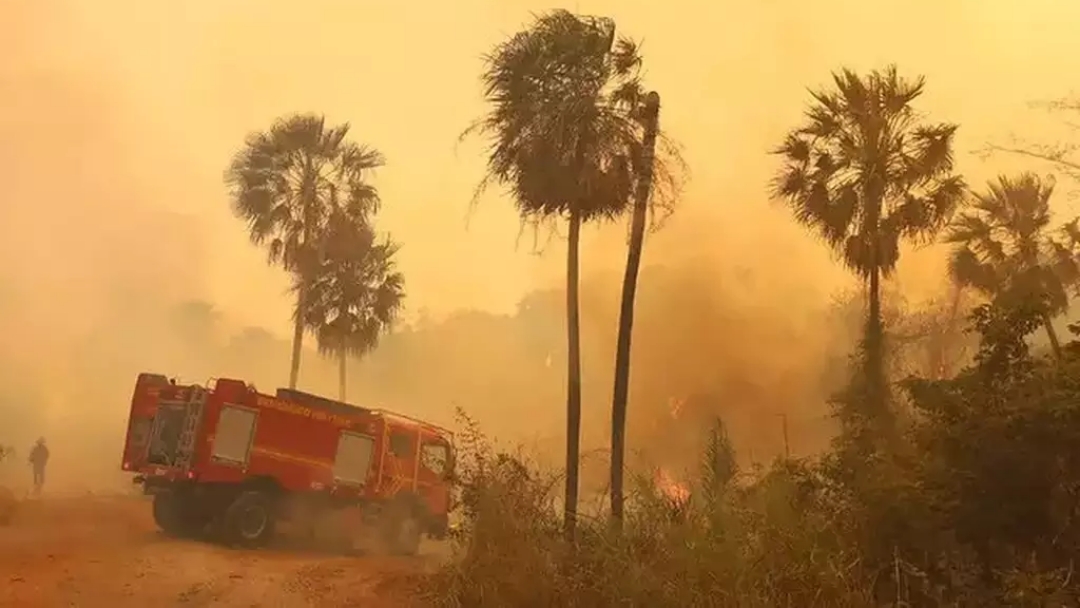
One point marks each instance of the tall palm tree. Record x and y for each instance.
(1004, 244)
(650, 119)
(286, 182)
(560, 139)
(354, 295)
(864, 172)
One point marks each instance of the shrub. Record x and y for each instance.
(736, 542)
(973, 500)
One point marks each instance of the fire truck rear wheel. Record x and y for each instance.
(402, 529)
(249, 520)
(173, 515)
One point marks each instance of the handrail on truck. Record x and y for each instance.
(417, 421)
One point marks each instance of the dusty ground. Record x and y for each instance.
(106, 551)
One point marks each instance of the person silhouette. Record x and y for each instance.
(39, 457)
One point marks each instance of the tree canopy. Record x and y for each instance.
(356, 294)
(865, 171)
(287, 181)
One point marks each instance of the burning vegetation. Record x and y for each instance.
(952, 474)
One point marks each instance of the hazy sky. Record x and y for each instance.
(113, 112)
(118, 117)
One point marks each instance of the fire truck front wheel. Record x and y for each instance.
(402, 528)
(249, 520)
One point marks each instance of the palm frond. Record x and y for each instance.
(863, 173)
(286, 182)
(1003, 243)
(355, 294)
(561, 128)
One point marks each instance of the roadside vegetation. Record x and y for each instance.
(972, 503)
(954, 477)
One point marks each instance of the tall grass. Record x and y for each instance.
(740, 540)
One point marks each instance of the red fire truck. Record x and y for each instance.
(228, 460)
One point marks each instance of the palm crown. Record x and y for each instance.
(287, 181)
(864, 173)
(563, 129)
(1004, 241)
(355, 295)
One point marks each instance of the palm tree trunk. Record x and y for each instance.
(875, 349)
(939, 353)
(952, 330)
(305, 269)
(573, 375)
(626, 311)
(298, 334)
(874, 345)
(342, 360)
(1051, 334)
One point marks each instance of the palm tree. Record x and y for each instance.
(1004, 245)
(354, 295)
(650, 119)
(864, 173)
(286, 182)
(562, 138)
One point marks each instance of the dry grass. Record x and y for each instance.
(789, 536)
(746, 543)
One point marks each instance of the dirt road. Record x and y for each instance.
(98, 551)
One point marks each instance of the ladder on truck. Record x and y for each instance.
(185, 449)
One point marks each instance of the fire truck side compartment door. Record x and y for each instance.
(235, 430)
(352, 462)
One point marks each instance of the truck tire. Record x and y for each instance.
(402, 528)
(250, 520)
(172, 515)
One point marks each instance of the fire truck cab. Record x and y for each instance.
(230, 461)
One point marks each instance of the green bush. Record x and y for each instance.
(972, 499)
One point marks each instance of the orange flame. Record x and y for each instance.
(671, 488)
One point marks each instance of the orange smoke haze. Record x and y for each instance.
(119, 253)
